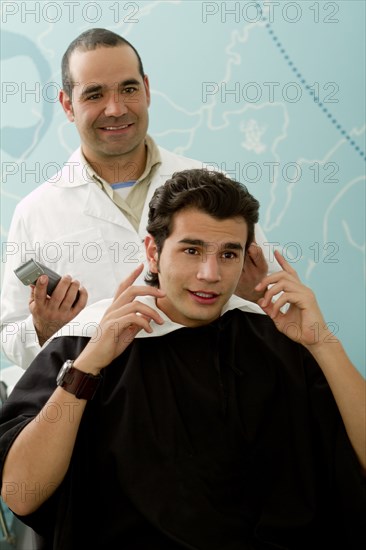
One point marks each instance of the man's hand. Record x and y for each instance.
(303, 322)
(254, 269)
(120, 324)
(50, 313)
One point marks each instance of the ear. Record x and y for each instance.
(66, 105)
(151, 254)
(147, 89)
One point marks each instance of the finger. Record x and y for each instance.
(128, 281)
(255, 255)
(278, 304)
(283, 285)
(81, 301)
(143, 323)
(58, 295)
(128, 322)
(134, 292)
(267, 307)
(279, 277)
(138, 308)
(39, 291)
(276, 315)
(70, 296)
(140, 323)
(252, 253)
(283, 263)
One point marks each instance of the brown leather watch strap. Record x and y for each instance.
(81, 384)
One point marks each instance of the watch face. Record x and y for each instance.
(63, 371)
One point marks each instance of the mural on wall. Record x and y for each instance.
(272, 92)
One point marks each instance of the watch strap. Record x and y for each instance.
(81, 384)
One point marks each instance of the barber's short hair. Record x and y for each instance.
(88, 41)
(209, 191)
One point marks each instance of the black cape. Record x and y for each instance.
(222, 437)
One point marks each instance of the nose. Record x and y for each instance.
(115, 105)
(209, 269)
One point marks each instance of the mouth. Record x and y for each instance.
(202, 297)
(119, 128)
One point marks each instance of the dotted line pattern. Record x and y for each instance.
(307, 87)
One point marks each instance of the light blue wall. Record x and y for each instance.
(275, 95)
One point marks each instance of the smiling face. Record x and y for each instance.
(199, 266)
(109, 106)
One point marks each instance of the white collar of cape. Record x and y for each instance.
(88, 320)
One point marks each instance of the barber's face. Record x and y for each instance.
(109, 104)
(199, 266)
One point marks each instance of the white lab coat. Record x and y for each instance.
(69, 224)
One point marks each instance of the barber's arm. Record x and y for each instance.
(303, 322)
(42, 451)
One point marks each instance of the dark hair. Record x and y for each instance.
(209, 191)
(91, 40)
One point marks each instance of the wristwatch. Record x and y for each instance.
(81, 384)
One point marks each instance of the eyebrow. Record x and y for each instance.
(199, 242)
(93, 88)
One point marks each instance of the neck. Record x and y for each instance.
(118, 169)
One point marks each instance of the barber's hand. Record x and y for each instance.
(254, 269)
(50, 313)
(119, 325)
(303, 321)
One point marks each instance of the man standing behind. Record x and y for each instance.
(89, 220)
(189, 421)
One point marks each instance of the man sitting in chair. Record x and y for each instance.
(192, 419)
